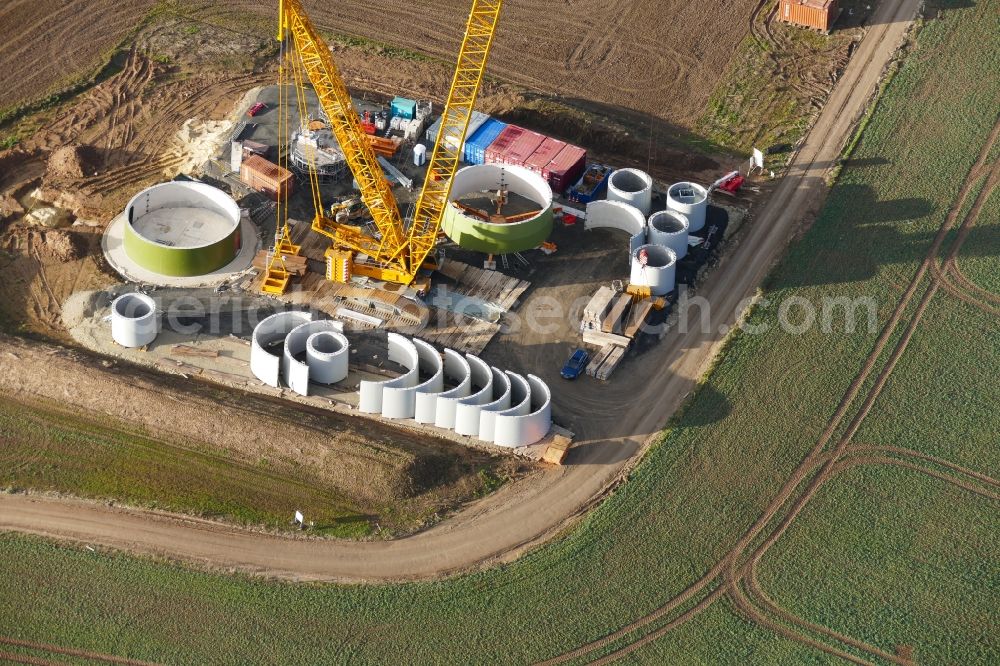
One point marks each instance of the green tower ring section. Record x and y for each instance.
(182, 229)
(471, 233)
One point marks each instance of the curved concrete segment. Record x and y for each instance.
(270, 332)
(426, 393)
(617, 215)
(134, 320)
(328, 356)
(297, 374)
(467, 409)
(481, 403)
(393, 398)
(472, 233)
(654, 266)
(691, 199)
(633, 187)
(500, 401)
(458, 370)
(670, 229)
(530, 421)
(182, 229)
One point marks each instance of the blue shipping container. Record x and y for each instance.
(404, 108)
(591, 184)
(475, 148)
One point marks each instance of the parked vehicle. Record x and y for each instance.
(256, 108)
(575, 365)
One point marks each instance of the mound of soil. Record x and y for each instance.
(73, 162)
(62, 244)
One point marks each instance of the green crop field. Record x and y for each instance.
(980, 259)
(894, 557)
(43, 448)
(888, 557)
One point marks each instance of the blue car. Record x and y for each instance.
(575, 365)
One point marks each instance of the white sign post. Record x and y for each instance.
(756, 161)
(299, 518)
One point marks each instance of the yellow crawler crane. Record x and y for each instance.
(394, 251)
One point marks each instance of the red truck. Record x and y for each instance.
(256, 108)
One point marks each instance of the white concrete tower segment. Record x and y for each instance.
(426, 394)
(633, 187)
(670, 229)
(617, 215)
(266, 365)
(456, 368)
(500, 402)
(297, 374)
(467, 409)
(690, 199)
(395, 405)
(654, 266)
(328, 357)
(134, 320)
(521, 427)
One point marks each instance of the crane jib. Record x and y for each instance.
(394, 252)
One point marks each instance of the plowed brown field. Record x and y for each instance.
(663, 58)
(658, 57)
(49, 44)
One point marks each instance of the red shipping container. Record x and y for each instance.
(546, 152)
(522, 148)
(502, 144)
(565, 169)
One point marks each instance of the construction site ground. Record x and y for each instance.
(206, 335)
(826, 498)
(610, 428)
(122, 134)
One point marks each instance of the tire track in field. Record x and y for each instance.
(834, 464)
(25, 659)
(148, 164)
(924, 457)
(746, 591)
(122, 116)
(762, 35)
(69, 652)
(949, 272)
(727, 567)
(855, 456)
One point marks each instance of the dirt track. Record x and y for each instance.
(503, 525)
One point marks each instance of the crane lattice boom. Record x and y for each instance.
(394, 252)
(346, 126)
(479, 31)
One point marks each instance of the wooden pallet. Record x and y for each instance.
(640, 312)
(612, 322)
(490, 286)
(600, 338)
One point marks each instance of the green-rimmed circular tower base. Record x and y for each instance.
(473, 233)
(182, 229)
